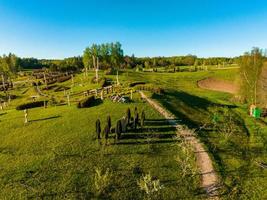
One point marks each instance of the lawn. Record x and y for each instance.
(56, 154)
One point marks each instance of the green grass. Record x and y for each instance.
(55, 155)
(235, 158)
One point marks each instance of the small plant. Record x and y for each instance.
(102, 181)
(88, 102)
(151, 187)
(98, 129)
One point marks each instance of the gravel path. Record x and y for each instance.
(209, 179)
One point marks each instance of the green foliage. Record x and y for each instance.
(151, 88)
(102, 181)
(88, 102)
(136, 83)
(251, 65)
(109, 54)
(150, 186)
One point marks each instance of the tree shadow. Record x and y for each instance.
(43, 119)
(3, 113)
(147, 135)
(159, 122)
(173, 99)
(143, 142)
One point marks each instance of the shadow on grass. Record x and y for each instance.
(145, 141)
(43, 119)
(3, 113)
(147, 135)
(173, 99)
(158, 122)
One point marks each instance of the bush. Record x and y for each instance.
(151, 88)
(136, 83)
(63, 79)
(88, 102)
(29, 105)
(104, 82)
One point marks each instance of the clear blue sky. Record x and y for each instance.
(63, 28)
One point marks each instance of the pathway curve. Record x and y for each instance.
(209, 179)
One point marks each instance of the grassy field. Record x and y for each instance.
(55, 155)
(236, 156)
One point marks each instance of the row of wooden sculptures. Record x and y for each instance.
(126, 123)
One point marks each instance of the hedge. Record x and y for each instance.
(150, 88)
(63, 79)
(29, 105)
(136, 83)
(88, 102)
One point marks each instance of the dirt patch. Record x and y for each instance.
(218, 85)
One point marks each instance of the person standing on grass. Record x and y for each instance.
(25, 116)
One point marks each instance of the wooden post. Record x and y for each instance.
(118, 77)
(102, 96)
(68, 98)
(25, 116)
(131, 94)
(72, 80)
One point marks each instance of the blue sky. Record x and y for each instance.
(63, 28)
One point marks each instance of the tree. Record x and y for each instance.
(250, 70)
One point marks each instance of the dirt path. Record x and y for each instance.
(218, 85)
(209, 179)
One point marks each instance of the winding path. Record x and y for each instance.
(209, 179)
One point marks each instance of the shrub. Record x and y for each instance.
(104, 82)
(102, 181)
(151, 88)
(136, 83)
(88, 102)
(149, 186)
(29, 105)
(63, 79)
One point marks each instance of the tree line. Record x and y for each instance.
(108, 55)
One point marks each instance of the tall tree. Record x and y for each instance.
(250, 70)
